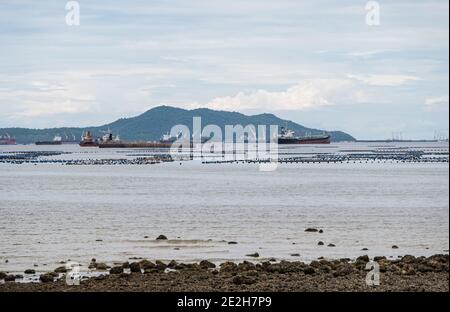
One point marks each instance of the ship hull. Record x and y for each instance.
(8, 142)
(322, 140)
(135, 145)
(88, 144)
(48, 143)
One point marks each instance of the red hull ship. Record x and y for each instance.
(7, 140)
(88, 140)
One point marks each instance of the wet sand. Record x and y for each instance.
(408, 274)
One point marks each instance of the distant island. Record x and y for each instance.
(156, 121)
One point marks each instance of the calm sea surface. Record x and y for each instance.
(52, 212)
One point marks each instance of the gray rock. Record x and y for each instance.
(311, 230)
(135, 267)
(116, 270)
(207, 264)
(30, 271)
(47, 278)
(61, 269)
(161, 237)
(10, 278)
(320, 243)
(254, 255)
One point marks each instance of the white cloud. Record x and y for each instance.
(437, 103)
(384, 80)
(308, 95)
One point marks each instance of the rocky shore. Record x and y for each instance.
(409, 273)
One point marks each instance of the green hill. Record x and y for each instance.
(156, 121)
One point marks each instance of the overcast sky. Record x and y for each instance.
(315, 62)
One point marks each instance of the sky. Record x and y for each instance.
(318, 63)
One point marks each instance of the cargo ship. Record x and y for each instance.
(111, 141)
(288, 137)
(57, 140)
(7, 140)
(88, 140)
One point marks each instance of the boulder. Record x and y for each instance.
(161, 237)
(3, 275)
(47, 278)
(30, 271)
(253, 255)
(61, 269)
(101, 266)
(126, 265)
(10, 278)
(309, 270)
(207, 264)
(135, 267)
(363, 259)
(116, 270)
(145, 264)
(172, 264)
(394, 247)
(320, 243)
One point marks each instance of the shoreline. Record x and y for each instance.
(408, 274)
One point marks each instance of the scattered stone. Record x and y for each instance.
(161, 237)
(295, 255)
(272, 260)
(364, 249)
(135, 267)
(93, 260)
(61, 269)
(232, 243)
(242, 279)
(176, 248)
(207, 264)
(116, 270)
(331, 245)
(101, 266)
(320, 231)
(126, 265)
(30, 271)
(363, 259)
(10, 278)
(19, 276)
(145, 264)
(379, 258)
(99, 240)
(253, 255)
(3, 275)
(309, 270)
(146, 236)
(172, 264)
(394, 247)
(320, 243)
(47, 278)
(311, 230)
